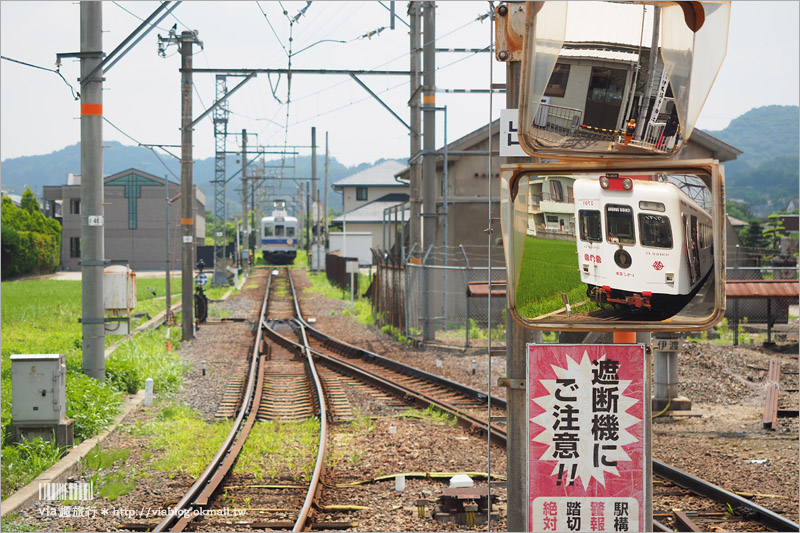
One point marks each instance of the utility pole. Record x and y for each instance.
(429, 157)
(91, 209)
(517, 339)
(316, 249)
(414, 103)
(325, 203)
(245, 218)
(185, 42)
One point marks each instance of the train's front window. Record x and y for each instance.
(619, 224)
(278, 231)
(654, 230)
(290, 231)
(267, 231)
(590, 225)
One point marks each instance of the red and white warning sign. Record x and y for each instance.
(586, 437)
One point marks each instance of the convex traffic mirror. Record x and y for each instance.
(594, 85)
(636, 246)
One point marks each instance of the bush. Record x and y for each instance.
(31, 242)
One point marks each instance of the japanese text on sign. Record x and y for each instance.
(586, 470)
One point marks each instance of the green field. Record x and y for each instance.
(41, 316)
(549, 268)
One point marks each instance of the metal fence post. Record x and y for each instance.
(466, 294)
(406, 295)
(427, 334)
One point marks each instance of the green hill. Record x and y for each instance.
(767, 174)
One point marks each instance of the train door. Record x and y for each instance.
(690, 247)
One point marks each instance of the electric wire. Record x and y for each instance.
(76, 95)
(271, 27)
(149, 147)
(134, 15)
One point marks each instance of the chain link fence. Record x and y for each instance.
(427, 299)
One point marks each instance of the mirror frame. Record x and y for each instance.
(709, 170)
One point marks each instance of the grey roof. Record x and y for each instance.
(373, 211)
(381, 175)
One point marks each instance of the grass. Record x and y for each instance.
(362, 307)
(549, 268)
(431, 415)
(180, 441)
(41, 316)
(275, 446)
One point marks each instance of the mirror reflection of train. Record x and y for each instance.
(279, 233)
(642, 244)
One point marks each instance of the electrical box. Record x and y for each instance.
(119, 289)
(39, 383)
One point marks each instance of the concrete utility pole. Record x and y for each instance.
(185, 42)
(415, 106)
(245, 218)
(91, 209)
(325, 202)
(517, 338)
(429, 145)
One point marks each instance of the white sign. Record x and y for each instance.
(509, 142)
(187, 239)
(352, 267)
(95, 220)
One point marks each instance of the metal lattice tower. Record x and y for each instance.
(220, 115)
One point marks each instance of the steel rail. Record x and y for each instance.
(315, 487)
(763, 516)
(181, 514)
(422, 400)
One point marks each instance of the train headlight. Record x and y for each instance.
(604, 182)
(669, 277)
(627, 184)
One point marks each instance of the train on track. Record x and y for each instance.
(279, 233)
(642, 244)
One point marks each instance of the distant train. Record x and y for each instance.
(279, 236)
(641, 244)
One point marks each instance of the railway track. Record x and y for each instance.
(285, 358)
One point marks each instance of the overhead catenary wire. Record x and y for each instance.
(76, 95)
(148, 146)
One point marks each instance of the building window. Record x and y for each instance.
(361, 194)
(556, 192)
(74, 246)
(75, 207)
(557, 86)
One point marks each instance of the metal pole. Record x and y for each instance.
(166, 245)
(517, 339)
(651, 67)
(429, 159)
(415, 167)
(466, 295)
(314, 200)
(245, 218)
(325, 204)
(444, 202)
(187, 192)
(251, 236)
(91, 209)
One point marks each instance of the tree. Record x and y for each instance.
(774, 230)
(29, 202)
(739, 210)
(31, 242)
(752, 236)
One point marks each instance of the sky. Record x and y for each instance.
(141, 97)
